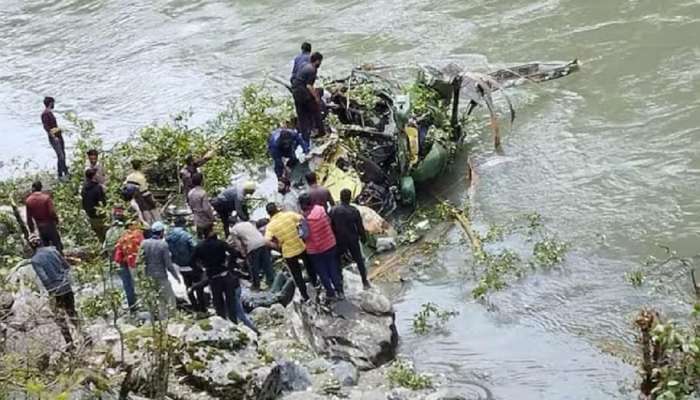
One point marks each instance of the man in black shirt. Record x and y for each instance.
(307, 100)
(348, 229)
(212, 254)
(93, 196)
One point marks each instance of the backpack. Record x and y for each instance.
(303, 229)
(128, 191)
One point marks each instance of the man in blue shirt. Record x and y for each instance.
(53, 272)
(181, 246)
(301, 59)
(307, 99)
(283, 143)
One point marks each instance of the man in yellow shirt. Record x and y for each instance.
(282, 232)
(143, 199)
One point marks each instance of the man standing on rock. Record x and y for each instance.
(307, 99)
(40, 209)
(282, 232)
(349, 230)
(53, 272)
(55, 136)
(202, 211)
(156, 257)
(249, 241)
(224, 283)
(321, 248)
(93, 197)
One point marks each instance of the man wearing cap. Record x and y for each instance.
(198, 199)
(233, 199)
(53, 272)
(156, 257)
(181, 246)
(143, 198)
(40, 210)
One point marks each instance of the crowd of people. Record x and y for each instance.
(311, 232)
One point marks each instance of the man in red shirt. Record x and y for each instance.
(55, 136)
(40, 210)
(321, 247)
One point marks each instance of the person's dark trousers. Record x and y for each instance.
(260, 262)
(310, 270)
(222, 294)
(197, 297)
(225, 216)
(326, 265)
(98, 226)
(356, 253)
(295, 268)
(60, 148)
(303, 103)
(48, 232)
(277, 156)
(128, 286)
(65, 303)
(317, 118)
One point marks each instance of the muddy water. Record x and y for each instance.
(608, 156)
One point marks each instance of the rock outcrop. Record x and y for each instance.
(360, 330)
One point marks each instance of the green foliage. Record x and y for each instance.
(101, 305)
(495, 233)
(635, 278)
(549, 252)
(671, 356)
(495, 269)
(245, 125)
(403, 374)
(431, 317)
(363, 94)
(426, 104)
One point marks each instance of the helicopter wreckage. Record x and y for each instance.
(389, 138)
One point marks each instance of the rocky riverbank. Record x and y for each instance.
(305, 350)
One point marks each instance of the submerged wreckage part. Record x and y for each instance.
(392, 137)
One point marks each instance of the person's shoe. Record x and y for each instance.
(366, 286)
(330, 300)
(340, 295)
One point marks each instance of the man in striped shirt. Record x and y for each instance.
(282, 232)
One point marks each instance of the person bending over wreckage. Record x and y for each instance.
(224, 280)
(282, 144)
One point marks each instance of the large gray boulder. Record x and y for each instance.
(222, 359)
(346, 332)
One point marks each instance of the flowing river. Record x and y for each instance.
(608, 156)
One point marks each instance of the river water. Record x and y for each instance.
(608, 156)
